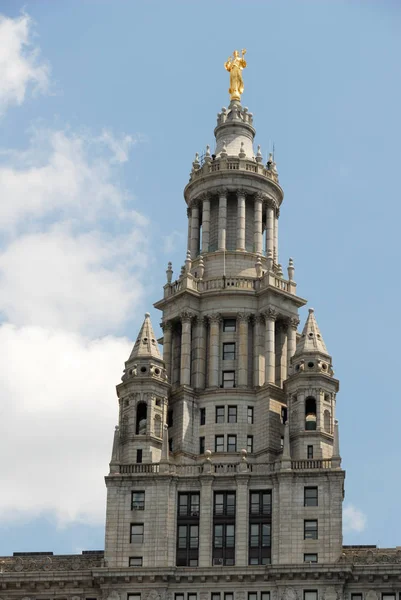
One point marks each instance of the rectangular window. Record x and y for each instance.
(232, 414)
(216, 596)
(250, 415)
(192, 597)
(310, 594)
(224, 528)
(356, 596)
(170, 418)
(249, 443)
(229, 325)
(178, 596)
(231, 443)
(219, 443)
(252, 596)
(137, 500)
(170, 444)
(135, 561)
(310, 529)
(202, 416)
(260, 503)
(284, 415)
(134, 597)
(229, 351)
(136, 534)
(388, 596)
(188, 529)
(201, 445)
(311, 558)
(139, 455)
(310, 496)
(188, 504)
(228, 379)
(259, 551)
(265, 596)
(228, 596)
(224, 504)
(310, 452)
(220, 414)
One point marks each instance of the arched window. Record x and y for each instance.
(310, 413)
(141, 418)
(327, 421)
(157, 425)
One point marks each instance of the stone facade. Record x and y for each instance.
(225, 480)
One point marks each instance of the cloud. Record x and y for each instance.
(21, 67)
(353, 519)
(57, 415)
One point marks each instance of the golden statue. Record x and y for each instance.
(234, 66)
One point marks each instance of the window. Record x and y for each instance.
(310, 452)
(223, 541)
(224, 528)
(134, 596)
(220, 414)
(136, 536)
(201, 445)
(139, 455)
(252, 596)
(282, 442)
(229, 351)
(310, 594)
(310, 414)
(249, 443)
(178, 596)
(188, 529)
(219, 443)
(250, 415)
(228, 379)
(192, 597)
(170, 444)
(202, 416)
(216, 596)
(259, 551)
(138, 501)
(228, 596)
(135, 561)
(265, 596)
(310, 496)
(231, 443)
(232, 414)
(284, 415)
(388, 596)
(170, 418)
(311, 558)
(356, 596)
(188, 504)
(224, 504)
(141, 418)
(310, 530)
(229, 325)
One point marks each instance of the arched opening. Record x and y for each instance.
(141, 418)
(157, 425)
(310, 414)
(327, 421)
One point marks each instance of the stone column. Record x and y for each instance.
(242, 319)
(257, 227)
(258, 355)
(185, 367)
(275, 249)
(241, 220)
(200, 354)
(291, 342)
(205, 521)
(194, 230)
(214, 350)
(205, 224)
(270, 351)
(241, 522)
(269, 228)
(282, 350)
(222, 219)
(167, 347)
(189, 229)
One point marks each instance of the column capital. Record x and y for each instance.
(214, 318)
(166, 325)
(258, 318)
(187, 316)
(240, 192)
(200, 320)
(195, 203)
(205, 196)
(277, 212)
(269, 202)
(222, 192)
(270, 314)
(294, 322)
(244, 317)
(188, 212)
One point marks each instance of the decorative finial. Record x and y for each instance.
(269, 161)
(290, 269)
(169, 272)
(196, 164)
(223, 152)
(208, 157)
(147, 315)
(201, 267)
(279, 271)
(270, 259)
(259, 156)
(234, 66)
(258, 267)
(311, 310)
(188, 262)
(242, 151)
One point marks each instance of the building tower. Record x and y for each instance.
(226, 459)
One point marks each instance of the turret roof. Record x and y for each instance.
(311, 338)
(146, 343)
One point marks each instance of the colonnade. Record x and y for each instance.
(199, 215)
(192, 349)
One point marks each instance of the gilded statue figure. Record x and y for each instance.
(234, 66)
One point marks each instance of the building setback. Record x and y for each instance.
(225, 479)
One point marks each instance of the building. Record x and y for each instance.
(225, 479)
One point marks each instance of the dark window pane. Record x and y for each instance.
(220, 414)
(202, 415)
(229, 325)
(201, 445)
(310, 452)
(219, 443)
(249, 443)
(310, 496)
(229, 351)
(310, 530)
(228, 379)
(231, 443)
(138, 501)
(311, 558)
(232, 414)
(250, 415)
(135, 561)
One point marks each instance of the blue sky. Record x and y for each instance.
(102, 108)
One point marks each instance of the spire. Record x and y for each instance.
(146, 343)
(311, 338)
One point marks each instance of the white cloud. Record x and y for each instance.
(353, 519)
(57, 417)
(20, 63)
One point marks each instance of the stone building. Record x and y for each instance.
(225, 479)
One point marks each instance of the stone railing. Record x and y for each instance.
(233, 164)
(269, 279)
(39, 562)
(359, 555)
(318, 463)
(139, 468)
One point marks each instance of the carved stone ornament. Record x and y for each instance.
(243, 317)
(372, 595)
(204, 596)
(240, 596)
(153, 595)
(289, 593)
(270, 314)
(186, 315)
(216, 318)
(330, 594)
(294, 323)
